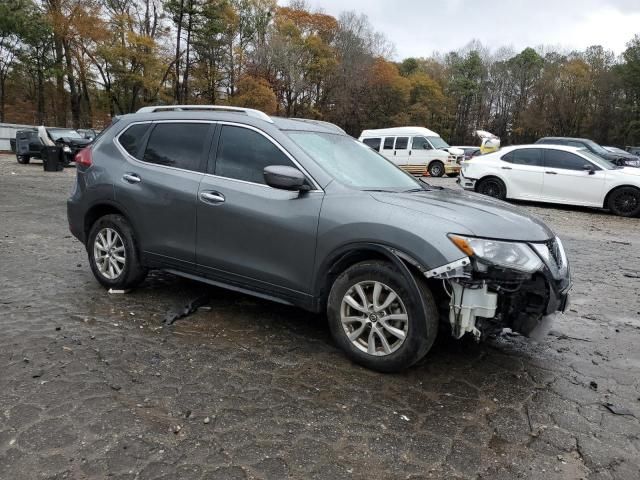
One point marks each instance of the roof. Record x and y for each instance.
(542, 146)
(575, 139)
(223, 112)
(388, 132)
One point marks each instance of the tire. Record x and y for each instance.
(436, 169)
(492, 187)
(131, 271)
(419, 332)
(624, 202)
(23, 159)
(452, 175)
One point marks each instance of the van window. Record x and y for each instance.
(373, 143)
(420, 143)
(401, 143)
(388, 143)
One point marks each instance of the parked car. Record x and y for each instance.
(593, 147)
(630, 160)
(633, 150)
(470, 152)
(555, 174)
(88, 133)
(29, 145)
(416, 150)
(298, 212)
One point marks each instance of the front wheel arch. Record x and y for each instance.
(607, 197)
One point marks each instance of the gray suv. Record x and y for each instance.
(298, 212)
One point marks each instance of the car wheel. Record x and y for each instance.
(113, 253)
(377, 318)
(436, 169)
(23, 159)
(492, 187)
(625, 202)
(452, 175)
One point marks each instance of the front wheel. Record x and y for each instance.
(377, 318)
(23, 159)
(436, 169)
(492, 187)
(113, 253)
(625, 202)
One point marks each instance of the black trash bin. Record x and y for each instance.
(52, 159)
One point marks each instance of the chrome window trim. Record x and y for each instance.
(116, 141)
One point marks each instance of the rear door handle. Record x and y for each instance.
(212, 197)
(551, 173)
(131, 178)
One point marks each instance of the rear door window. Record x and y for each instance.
(525, 156)
(388, 143)
(564, 160)
(131, 139)
(373, 143)
(402, 143)
(243, 154)
(178, 145)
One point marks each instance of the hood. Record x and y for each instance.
(483, 216)
(76, 142)
(454, 151)
(632, 171)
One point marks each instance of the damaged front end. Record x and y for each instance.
(501, 284)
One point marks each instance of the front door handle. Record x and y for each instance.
(212, 197)
(506, 168)
(131, 178)
(551, 173)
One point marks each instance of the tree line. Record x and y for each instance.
(80, 62)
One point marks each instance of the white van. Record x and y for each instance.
(415, 149)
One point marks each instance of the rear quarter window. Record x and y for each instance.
(131, 139)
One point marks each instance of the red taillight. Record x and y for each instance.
(83, 157)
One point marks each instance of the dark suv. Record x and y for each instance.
(29, 145)
(298, 212)
(615, 158)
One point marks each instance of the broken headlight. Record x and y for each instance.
(514, 255)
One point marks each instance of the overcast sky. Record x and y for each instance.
(420, 27)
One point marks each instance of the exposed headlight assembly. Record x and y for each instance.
(513, 255)
(66, 149)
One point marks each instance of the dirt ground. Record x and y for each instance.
(93, 386)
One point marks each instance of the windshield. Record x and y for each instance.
(598, 160)
(595, 148)
(353, 163)
(438, 142)
(58, 133)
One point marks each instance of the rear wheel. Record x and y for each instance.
(436, 169)
(377, 319)
(492, 187)
(625, 202)
(113, 253)
(23, 159)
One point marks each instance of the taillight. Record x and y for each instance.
(83, 157)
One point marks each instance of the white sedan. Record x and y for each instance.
(554, 174)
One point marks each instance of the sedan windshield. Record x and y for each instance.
(438, 143)
(598, 160)
(353, 163)
(595, 148)
(58, 133)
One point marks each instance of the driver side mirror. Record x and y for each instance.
(589, 168)
(285, 178)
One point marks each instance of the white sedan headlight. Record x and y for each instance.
(514, 255)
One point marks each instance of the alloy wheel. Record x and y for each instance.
(109, 253)
(374, 318)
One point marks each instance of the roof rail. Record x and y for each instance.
(329, 125)
(248, 111)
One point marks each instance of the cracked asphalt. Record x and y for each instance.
(92, 386)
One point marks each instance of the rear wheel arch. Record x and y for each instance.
(96, 212)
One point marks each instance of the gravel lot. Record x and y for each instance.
(93, 386)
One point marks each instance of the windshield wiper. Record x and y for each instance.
(379, 190)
